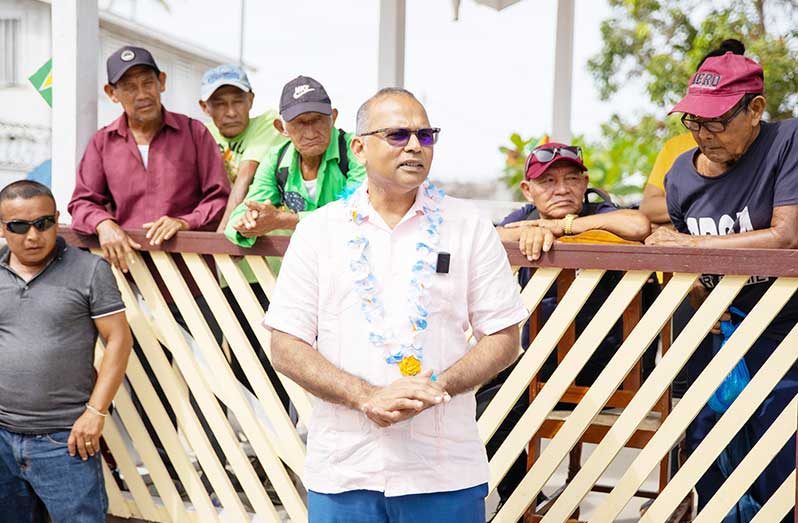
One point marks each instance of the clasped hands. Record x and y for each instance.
(403, 399)
(259, 219)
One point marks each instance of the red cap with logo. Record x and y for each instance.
(719, 84)
(535, 168)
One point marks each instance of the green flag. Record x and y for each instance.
(42, 80)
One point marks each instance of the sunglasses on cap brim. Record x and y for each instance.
(547, 154)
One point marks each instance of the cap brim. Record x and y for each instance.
(208, 90)
(541, 168)
(306, 107)
(707, 106)
(128, 66)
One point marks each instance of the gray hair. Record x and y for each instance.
(363, 112)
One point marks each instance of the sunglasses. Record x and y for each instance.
(545, 155)
(23, 226)
(398, 137)
(713, 126)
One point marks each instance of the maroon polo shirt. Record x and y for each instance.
(184, 178)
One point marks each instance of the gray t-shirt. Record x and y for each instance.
(741, 199)
(47, 338)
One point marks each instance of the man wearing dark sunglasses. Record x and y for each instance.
(313, 169)
(54, 302)
(738, 189)
(395, 419)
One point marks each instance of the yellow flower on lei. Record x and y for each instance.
(409, 366)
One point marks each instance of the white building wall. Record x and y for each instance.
(22, 104)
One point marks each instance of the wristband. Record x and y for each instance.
(95, 410)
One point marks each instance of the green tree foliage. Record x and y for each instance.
(661, 42)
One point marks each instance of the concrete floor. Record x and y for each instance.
(614, 472)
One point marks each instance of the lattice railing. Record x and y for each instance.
(199, 369)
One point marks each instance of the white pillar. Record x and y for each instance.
(76, 40)
(563, 72)
(391, 65)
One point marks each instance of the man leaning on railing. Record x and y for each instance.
(310, 171)
(738, 189)
(556, 186)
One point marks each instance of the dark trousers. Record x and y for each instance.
(784, 463)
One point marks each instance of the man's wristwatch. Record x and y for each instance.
(568, 223)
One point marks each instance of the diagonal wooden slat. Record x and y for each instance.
(565, 374)
(223, 381)
(752, 465)
(285, 438)
(116, 500)
(780, 503)
(254, 314)
(130, 474)
(145, 448)
(264, 274)
(695, 398)
(604, 386)
(657, 383)
(155, 411)
(540, 348)
(172, 386)
(259, 437)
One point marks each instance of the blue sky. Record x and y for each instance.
(481, 78)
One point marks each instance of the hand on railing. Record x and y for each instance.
(116, 245)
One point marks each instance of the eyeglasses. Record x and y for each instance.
(545, 155)
(713, 126)
(398, 137)
(23, 226)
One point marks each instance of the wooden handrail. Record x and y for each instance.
(760, 262)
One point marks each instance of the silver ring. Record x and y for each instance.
(87, 443)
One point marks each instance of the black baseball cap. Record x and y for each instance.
(302, 95)
(126, 57)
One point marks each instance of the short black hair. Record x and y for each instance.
(730, 45)
(25, 189)
(363, 111)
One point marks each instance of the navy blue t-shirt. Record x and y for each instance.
(740, 200)
(611, 342)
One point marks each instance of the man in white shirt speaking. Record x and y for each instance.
(369, 315)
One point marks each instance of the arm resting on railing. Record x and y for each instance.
(782, 234)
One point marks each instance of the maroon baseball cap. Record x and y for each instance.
(719, 84)
(559, 152)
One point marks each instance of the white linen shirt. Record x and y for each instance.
(438, 450)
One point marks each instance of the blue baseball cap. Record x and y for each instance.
(226, 74)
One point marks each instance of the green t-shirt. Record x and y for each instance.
(330, 182)
(257, 140)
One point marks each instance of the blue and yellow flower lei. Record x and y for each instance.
(408, 352)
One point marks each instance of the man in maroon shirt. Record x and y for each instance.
(150, 168)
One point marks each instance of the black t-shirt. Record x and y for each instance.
(740, 200)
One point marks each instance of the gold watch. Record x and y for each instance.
(568, 223)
